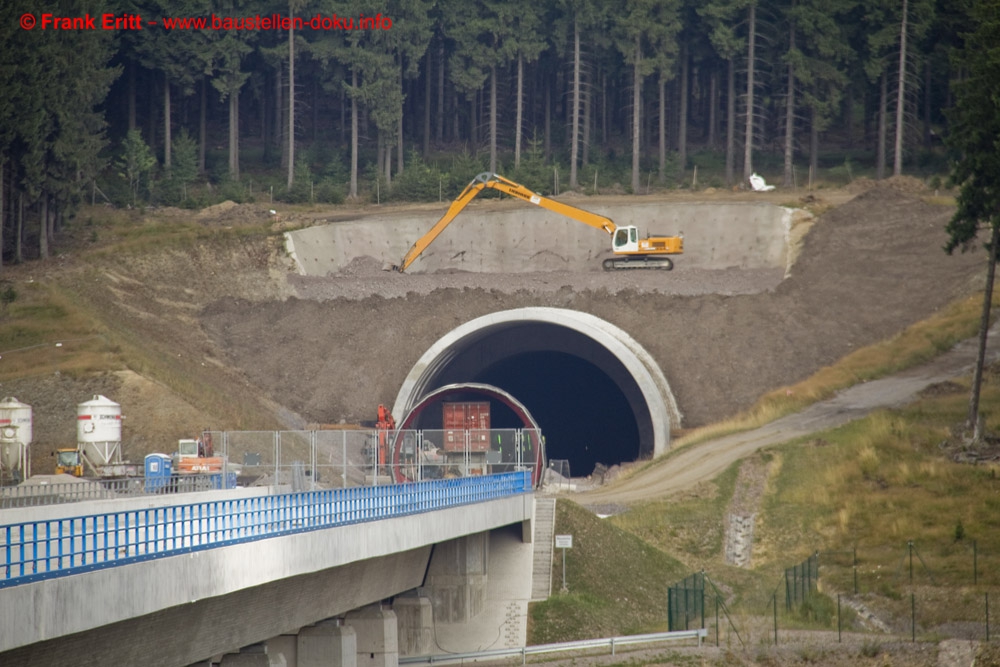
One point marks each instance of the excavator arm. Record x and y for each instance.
(501, 184)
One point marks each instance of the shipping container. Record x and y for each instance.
(457, 418)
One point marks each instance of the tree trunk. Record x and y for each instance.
(152, 117)
(575, 117)
(663, 129)
(427, 106)
(548, 123)
(291, 103)
(440, 105)
(927, 104)
(731, 124)
(278, 108)
(353, 192)
(748, 132)
(399, 131)
(520, 111)
(814, 143)
(883, 112)
(849, 116)
(587, 103)
(604, 106)
(683, 110)
(493, 118)
(897, 163)
(473, 120)
(202, 125)
(234, 135)
(388, 161)
(131, 95)
(636, 111)
(43, 232)
(3, 202)
(790, 114)
(713, 107)
(166, 122)
(974, 422)
(19, 235)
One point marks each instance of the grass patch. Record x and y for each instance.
(44, 331)
(616, 583)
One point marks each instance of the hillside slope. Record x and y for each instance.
(203, 324)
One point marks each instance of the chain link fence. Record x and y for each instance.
(908, 592)
(323, 459)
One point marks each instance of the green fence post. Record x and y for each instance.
(838, 617)
(913, 617)
(775, 619)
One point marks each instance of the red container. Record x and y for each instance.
(457, 418)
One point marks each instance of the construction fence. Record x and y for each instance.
(910, 592)
(325, 459)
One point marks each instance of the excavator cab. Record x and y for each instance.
(626, 239)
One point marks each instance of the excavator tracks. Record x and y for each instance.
(621, 263)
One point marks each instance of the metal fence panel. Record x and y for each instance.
(686, 603)
(801, 581)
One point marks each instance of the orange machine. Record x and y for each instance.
(384, 425)
(630, 251)
(195, 457)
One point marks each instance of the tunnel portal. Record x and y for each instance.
(596, 394)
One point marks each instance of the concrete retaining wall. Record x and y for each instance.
(520, 238)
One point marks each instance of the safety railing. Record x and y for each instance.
(607, 643)
(57, 493)
(60, 547)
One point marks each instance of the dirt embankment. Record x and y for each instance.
(866, 270)
(226, 329)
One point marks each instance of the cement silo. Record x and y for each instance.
(99, 431)
(16, 434)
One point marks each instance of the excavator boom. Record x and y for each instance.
(625, 243)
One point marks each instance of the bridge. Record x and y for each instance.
(352, 576)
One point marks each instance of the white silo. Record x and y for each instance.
(99, 430)
(16, 434)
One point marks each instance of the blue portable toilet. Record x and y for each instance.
(158, 470)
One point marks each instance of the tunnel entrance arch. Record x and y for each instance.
(533, 453)
(626, 384)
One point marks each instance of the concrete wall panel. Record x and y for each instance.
(520, 237)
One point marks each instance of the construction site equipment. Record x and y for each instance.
(630, 251)
(69, 462)
(385, 424)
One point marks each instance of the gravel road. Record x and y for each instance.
(704, 461)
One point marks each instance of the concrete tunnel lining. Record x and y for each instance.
(641, 379)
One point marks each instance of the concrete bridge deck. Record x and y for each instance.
(198, 585)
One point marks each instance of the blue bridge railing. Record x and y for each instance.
(60, 547)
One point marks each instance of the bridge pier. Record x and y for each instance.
(328, 643)
(377, 636)
(456, 578)
(415, 618)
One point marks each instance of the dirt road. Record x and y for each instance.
(704, 461)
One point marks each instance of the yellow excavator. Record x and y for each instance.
(630, 252)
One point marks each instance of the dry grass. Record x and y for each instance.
(43, 331)
(918, 344)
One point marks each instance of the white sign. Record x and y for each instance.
(564, 541)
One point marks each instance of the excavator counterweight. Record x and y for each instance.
(630, 251)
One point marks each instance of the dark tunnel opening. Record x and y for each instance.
(584, 416)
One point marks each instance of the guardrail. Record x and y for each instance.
(586, 644)
(60, 547)
(60, 493)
